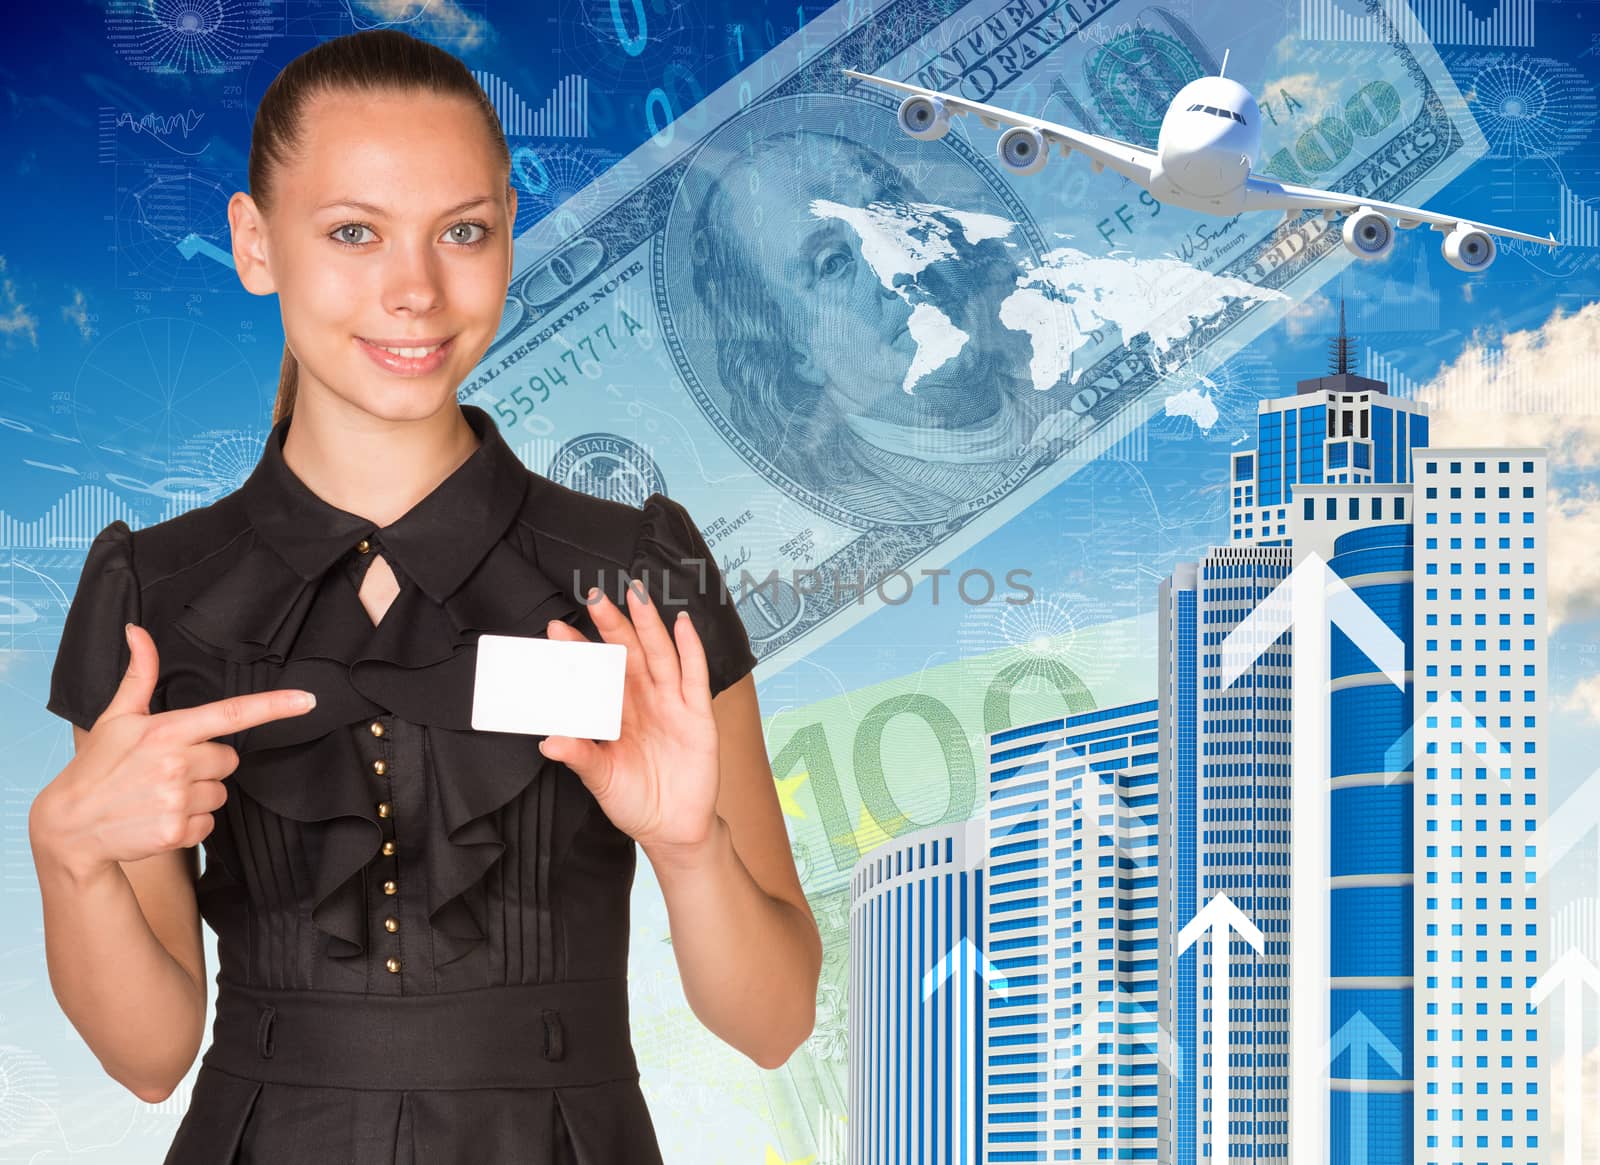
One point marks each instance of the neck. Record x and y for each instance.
(377, 467)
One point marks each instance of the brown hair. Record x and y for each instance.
(373, 60)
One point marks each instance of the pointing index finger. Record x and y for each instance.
(236, 713)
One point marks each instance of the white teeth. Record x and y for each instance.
(410, 353)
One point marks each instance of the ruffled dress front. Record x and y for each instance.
(422, 929)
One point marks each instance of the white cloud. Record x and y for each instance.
(77, 313)
(1590, 1070)
(1315, 91)
(1535, 387)
(442, 21)
(1309, 315)
(1574, 532)
(1538, 388)
(15, 319)
(1584, 698)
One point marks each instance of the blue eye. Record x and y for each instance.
(348, 226)
(473, 242)
(487, 230)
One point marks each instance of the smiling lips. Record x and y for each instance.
(407, 357)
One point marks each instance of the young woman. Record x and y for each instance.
(423, 929)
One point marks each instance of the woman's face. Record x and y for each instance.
(424, 258)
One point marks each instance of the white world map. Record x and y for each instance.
(1061, 303)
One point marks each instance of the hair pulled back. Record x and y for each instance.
(377, 60)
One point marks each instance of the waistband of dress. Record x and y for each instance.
(526, 1035)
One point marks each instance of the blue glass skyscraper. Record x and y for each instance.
(1436, 787)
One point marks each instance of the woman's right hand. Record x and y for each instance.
(143, 783)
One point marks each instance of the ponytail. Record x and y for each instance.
(288, 383)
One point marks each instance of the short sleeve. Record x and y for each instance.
(680, 571)
(94, 654)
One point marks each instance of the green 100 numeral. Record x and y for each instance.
(808, 750)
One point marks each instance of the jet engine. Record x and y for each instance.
(1023, 150)
(1468, 249)
(1368, 234)
(924, 118)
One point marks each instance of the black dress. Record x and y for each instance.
(422, 929)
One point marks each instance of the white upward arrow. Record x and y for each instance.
(961, 957)
(1361, 1038)
(1571, 973)
(1216, 918)
(1308, 602)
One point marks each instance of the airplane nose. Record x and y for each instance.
(1211, 171)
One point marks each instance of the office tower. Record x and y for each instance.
(1004, 972)
(1224, 760)
(1364, 534)
(1436, 787)
(1482, 700)
(916, 1008)
(1075, 1054)
(1338, 429)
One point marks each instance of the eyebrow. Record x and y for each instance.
(368, 208)
(827, 231)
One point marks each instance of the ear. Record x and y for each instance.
(805, 368)
(511, 226)
(248, 229)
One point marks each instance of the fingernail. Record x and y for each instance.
(638, 589)
(308, 699)
(591, 595)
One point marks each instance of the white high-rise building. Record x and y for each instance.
(1224, 762)
(1005, 972)
(1482, 663)
(916, 1009)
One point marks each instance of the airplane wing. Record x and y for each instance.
(1270, 194)
(1133, 162)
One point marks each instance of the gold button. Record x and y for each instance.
(388, 847)
(383, 808)
(393, 964)
(377, 727)
(379, 767)
(363, 546)
(391, 924)
(389, 887)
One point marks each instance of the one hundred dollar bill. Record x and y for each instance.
(851, 355)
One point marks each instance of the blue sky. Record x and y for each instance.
(84, 288)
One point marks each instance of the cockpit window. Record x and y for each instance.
(1230, 113)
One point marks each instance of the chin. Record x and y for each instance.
(395, 399)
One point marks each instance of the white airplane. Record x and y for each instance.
(1208, 145)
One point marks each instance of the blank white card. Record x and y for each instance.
(549, 687)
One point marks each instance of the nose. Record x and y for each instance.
(411, 279)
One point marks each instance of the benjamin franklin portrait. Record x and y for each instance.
(795, 336)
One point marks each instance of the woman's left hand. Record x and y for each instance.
(658, 781)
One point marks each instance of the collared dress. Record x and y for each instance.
(422, 929)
